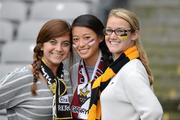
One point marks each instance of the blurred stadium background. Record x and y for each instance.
(20, 21)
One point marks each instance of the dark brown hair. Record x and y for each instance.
(50, 30)
(93, 23)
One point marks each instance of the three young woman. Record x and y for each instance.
(123, 90)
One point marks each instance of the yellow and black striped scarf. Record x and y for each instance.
(102, 81)
(61, 105)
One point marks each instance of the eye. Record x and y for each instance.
(120, 31)
(87, 37)
(66, 44)
(53, 42)
(108, 31)
(75, 39)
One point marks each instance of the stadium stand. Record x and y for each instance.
(28, 30)
(15, 11)
(17, 52)
(43, 10)
(6, 31)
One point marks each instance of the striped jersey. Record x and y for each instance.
(17, 99)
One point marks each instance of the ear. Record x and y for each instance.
(101, 38)
(135, 35)
(41, 47)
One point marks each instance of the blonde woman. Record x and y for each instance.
(128, 93)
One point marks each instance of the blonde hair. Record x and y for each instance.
(132, 19)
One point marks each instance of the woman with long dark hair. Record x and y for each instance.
(88, 42)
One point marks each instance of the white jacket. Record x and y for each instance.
(129, 96)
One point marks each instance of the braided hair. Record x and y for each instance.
(50, 30)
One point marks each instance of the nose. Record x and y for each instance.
(59, 47)
(113, 36)
(81, 43)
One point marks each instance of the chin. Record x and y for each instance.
(115, 51)
(85, 57)
(57, 61)
(112, 50)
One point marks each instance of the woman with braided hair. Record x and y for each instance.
(124, 91)
(38, 91)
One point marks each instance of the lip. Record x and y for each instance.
(114, 42)
(57, 55)
(83, 51)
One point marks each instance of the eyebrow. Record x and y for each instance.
(119, 28)
(90, 33)
(62, 40)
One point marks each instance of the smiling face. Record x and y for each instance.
(86, 43)
(56, 50)
(117, 43)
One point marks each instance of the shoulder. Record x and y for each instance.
(74, 76)
(75, 66)
(135, 70)
(17, 74)
(74, 69)
(134, 66)
(25, 70)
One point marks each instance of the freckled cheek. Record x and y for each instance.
(94, 48)
(67, 49)
(46, 51)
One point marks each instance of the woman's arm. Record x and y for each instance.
(11, 87)
(140, 94)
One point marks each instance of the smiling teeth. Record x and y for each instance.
(114, 42)
(57, 54)
(83, 51)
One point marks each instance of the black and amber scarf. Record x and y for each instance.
(81, 98)
(101, 82)
(56, 84)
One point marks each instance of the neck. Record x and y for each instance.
(116, 56)
(53, 68)
(91, 61)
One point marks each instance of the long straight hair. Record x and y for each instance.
(93, 23)
(132, 19)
